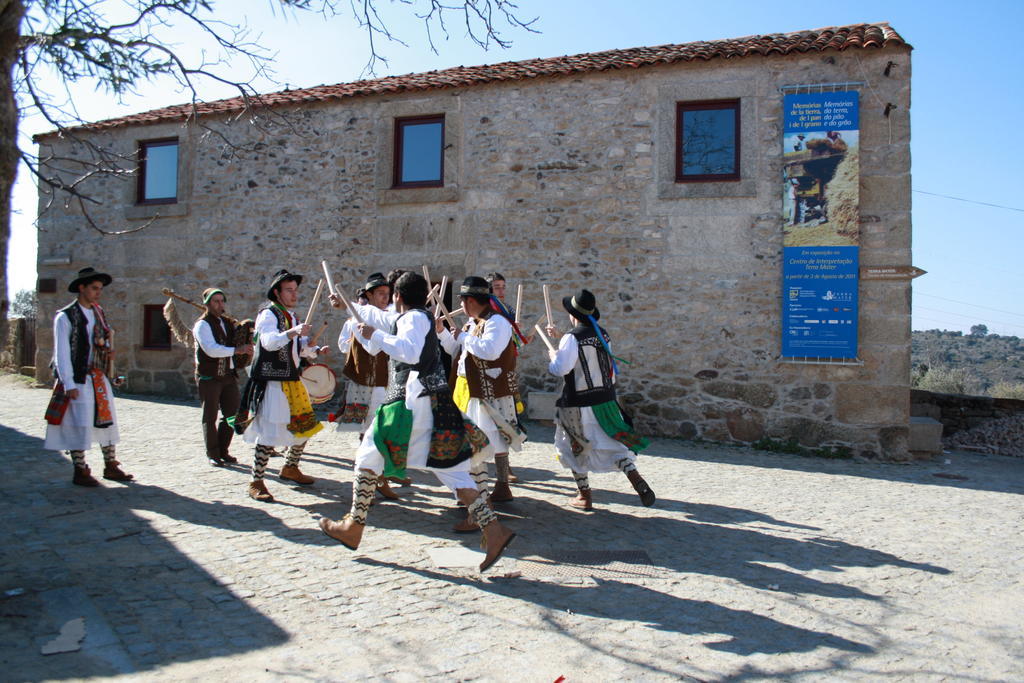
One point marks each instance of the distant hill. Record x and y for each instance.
(981, 361)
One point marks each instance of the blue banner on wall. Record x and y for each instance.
(821, 224)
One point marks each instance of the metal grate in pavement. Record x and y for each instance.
(597, 564)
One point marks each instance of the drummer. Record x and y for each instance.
(367, 371)
(279, 403)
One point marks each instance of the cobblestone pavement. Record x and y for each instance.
(761, 566)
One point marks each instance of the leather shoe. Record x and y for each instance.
(346, 531)
(384, 489)
(466, 526)
(258, 491)
(229, 459)
(501, 493)
(641, 487)
(215, 460)
(113, 472)
(83, 477)
(583, 501)
(496, 539)
(292, 473)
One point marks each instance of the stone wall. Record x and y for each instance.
(559, 180)
(958, 413)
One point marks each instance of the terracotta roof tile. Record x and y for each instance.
(818, 40)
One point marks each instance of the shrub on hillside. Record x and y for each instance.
(1007, 390)
(946, 380)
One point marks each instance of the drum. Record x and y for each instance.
(320, 382)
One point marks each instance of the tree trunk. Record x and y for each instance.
(11, 13)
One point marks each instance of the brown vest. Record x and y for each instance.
(482, 385)
(364, 369)
(215, 367)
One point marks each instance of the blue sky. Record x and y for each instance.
(967, 69)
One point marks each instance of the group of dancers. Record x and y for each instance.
(409, 411)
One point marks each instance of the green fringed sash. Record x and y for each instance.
(610, 418)
(392, 429)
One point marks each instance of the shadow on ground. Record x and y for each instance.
(145, 604)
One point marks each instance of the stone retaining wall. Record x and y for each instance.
(957, 412)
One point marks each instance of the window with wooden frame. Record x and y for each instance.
(158, 171)
(156, 334)
(707, 141)
(419, 151)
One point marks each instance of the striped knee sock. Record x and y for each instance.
(625, 465)
(78, 457)
(502, 467)
(479, 474)
(480, 512)
(582, 480)
(294, 453)
(362, 495)
(260, 459)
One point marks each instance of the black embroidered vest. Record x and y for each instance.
(279, 365)
(593, 372)
(207, 366)
(81, 344)
(431, 372)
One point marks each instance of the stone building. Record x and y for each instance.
(559, 170)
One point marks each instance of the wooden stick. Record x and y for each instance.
(426, 274)
(444, 284)
(351, 311)
(330, 280)
(316, 337)
(519, 300)
(544, 338)
(547, 302)
(315, 301)
(172, 293)
(446, 314)
(432, 295)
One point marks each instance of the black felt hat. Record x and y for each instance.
(282, 276)
(87, 275)
(475, 286)
(581, 305)
(373, 281)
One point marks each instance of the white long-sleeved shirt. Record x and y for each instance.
(490, 345)
(273, 340)
(406, 344)
(565, 359)
(204, 337)
(375, 317)
(348, 330)
(62, 345)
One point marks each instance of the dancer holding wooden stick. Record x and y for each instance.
(282, 414)
(418, 426)
(485, 383)
(591, 432)
(366, 370)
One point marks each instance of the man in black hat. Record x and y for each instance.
(367, 372)
(485, 384)
(282, 414)
(216, 375)
(591, 432)
(82, 409)
(417, 426)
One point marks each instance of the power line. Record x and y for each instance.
(971, 317)
(966, 303)
(969, 201)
